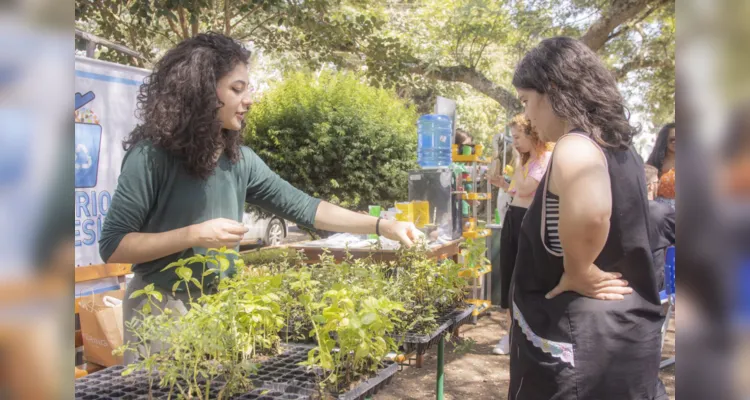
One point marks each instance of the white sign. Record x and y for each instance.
(105, 102)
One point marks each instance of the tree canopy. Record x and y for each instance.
(418, 47)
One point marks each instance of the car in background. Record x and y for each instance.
(264, 231)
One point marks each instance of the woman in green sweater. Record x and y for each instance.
(186, 177)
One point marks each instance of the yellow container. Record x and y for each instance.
(478, 150)
(470, 224)
(421, 213)
(406, 211)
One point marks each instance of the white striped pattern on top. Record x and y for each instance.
(552, 220)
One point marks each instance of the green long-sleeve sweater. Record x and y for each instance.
(155, 194)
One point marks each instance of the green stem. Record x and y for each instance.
(187, 286)
(195, 377)
(182, 391)
(203, 275)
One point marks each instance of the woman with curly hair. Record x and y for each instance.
(586, 309)
(663, 158)
(185, 177)
(531, 158)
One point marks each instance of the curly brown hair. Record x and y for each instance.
(178, 104)
(580, 88)
(540, 145)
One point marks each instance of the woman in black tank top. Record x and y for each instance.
(586, 311)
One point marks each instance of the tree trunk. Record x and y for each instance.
(619, 12)
(595, 38)
(195, 25)
(227, 18)
(473, 78)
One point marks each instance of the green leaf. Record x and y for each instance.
(178, 263)
(175, 286)
(223, 263)
(195, 281)
(137, 293)
(158, 296)
(362, 351)
(184, 273)
(369, 318)
(146, 308)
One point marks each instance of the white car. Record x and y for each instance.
(269, 231)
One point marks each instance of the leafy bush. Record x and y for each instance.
(336, 138)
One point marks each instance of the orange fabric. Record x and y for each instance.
(666, 185)
(80, 373)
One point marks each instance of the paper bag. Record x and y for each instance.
(101, 327)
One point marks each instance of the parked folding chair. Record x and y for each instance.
(668, 299)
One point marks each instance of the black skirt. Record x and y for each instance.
(508, 249)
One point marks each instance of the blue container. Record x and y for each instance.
(435, 134)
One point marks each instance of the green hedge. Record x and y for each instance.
(336, 138)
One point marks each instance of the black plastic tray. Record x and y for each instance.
(372, 385)
(285, 370)
(278, 378)
(420, 343)
(462, 316)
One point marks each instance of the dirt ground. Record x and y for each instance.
(478, 374)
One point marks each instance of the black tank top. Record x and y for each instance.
(611, 348)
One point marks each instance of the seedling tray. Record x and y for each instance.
(419, 343)
(110, 384)
(285, 370)
(462, 316)
(278, 378)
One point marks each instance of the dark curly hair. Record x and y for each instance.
(580, 88)
(178, 104)
(660, 147)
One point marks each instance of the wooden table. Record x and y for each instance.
(313, 253)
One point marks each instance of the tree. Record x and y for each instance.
(478, 42)
(336, 138)
(153, 26)
(410, 45)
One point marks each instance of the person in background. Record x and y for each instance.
(462, 137)
(661, 230)
(586, 307)
(186, 176)
(531, 157)
(663, 158)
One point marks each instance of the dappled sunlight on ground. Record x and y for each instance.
(478, 374)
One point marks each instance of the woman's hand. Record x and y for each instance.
(217, 233)
(499, 181)
(593, 282)
(404, 232)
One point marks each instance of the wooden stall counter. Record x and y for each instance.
(313, 253)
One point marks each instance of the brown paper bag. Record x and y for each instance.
(101, 328)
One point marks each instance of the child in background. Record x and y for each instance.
(531, 157)
(661, 231)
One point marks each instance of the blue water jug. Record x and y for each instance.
(434, 141)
